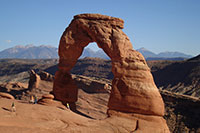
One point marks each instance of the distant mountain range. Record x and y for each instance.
(90, 53)
(30, 52)
(163, 55)
(49, 52)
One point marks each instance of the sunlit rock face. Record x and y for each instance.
(133, 87)
(34, 80)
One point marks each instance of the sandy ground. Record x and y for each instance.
(35, 118)
(91, 116)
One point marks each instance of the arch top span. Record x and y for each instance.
(112, 20)
(85, 28)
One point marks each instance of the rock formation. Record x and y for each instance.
(133, 88)
(91, 85)
(182, 112)
(6, 95)
(34, 80)
(46, 76)
(46, 99)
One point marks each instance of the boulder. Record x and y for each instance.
(48, 96)
(6, 95)
(47, 99)
(46, 76)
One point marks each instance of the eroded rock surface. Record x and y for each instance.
(133, 88)
(6, 95)
(46, 76)
(48, 100)
(182, 112)
(91, 85)
(34, 80)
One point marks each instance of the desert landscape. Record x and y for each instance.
(181, 110)
(123, 94)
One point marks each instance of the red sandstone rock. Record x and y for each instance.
(48, 96)
(34, 80)
(64, 87)
(91, 85)
(46, 76)
(143, 123)
(47, 99)
(6, 95)
(133, 87)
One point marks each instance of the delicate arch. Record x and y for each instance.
(133, 87)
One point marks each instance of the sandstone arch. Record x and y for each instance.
(133, 87)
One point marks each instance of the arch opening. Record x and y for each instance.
(93, 63)
(92, 75)
(92, 50)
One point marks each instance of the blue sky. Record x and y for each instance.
(158, 25)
